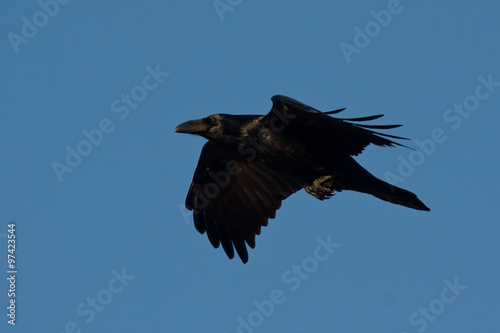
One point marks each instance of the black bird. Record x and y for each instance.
(251, 163)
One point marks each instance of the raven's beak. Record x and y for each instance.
(192, 127)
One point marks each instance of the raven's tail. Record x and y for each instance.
(361, 180)
(400, 196)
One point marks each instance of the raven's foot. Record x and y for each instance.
(322, 188)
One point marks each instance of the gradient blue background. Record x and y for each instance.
(120, 208)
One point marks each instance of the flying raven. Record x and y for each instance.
(251, 163)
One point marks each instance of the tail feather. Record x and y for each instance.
(401, 197)
(361, 180)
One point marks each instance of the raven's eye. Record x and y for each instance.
(213, 120)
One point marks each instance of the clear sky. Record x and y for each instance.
(95, 178)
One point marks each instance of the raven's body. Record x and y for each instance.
(251, 163)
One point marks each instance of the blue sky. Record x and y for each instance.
(102, 241)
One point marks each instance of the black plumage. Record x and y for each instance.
(252, 163)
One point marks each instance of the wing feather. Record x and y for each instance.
(305, 122)
(234, 216)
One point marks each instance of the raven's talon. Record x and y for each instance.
(322, 188)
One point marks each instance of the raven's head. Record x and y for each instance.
(218, 127)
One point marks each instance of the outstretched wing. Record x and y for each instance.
(343, 136)
(232, 198)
